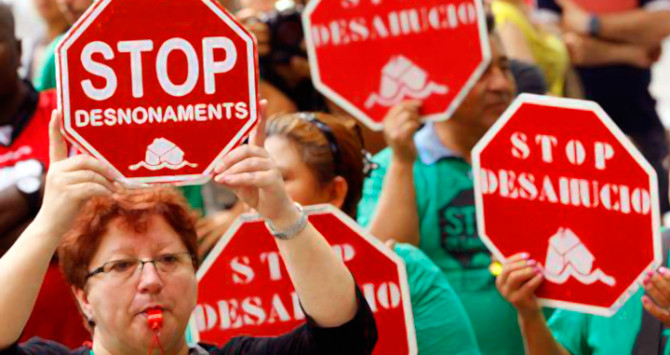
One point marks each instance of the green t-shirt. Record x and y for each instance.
(193, 195)
(586, 334)
(441, 323)
(46, 79)
(448, 229)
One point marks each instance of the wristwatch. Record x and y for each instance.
(293, 230)
(29, 183)
(594, 26)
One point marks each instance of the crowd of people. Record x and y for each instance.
(76, 245)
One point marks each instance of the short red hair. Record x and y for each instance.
(135, 209)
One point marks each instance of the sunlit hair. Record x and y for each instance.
(134, 209)
(316, 150)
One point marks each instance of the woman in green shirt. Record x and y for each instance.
(322, 160)
(578, 333)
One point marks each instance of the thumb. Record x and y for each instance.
(57, 145)
(257, 136)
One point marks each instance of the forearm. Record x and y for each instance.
(538, 339)
(643, 27)
(323, 283)
(396, 216)
(608, 53)
(22, 270)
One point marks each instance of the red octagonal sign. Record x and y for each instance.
(159, 90)
(368, 55)
(556, 178)
(244, 288)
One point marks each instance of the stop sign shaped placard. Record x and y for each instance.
(369, 55)
(159, 90)
(556, 178)
(244, 288)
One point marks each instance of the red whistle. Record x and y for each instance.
(155, 319)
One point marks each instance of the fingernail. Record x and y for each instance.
(645, 281)
(664, 271)
(537, 270)
(525, 255)
(531, 262)
(645, 299)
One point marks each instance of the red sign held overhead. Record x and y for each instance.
(557, 178)
(369, 55)
(244, 288)
(164, 98)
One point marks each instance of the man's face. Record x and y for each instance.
(10, 54)
(490, 96)
(73, 9)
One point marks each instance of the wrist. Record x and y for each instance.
(401, 163)
(289, 224)
(41, 232)
(530, 317)
(594, 26)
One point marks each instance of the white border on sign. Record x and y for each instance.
(628, 146)
(319, 210)
(362, 116)
(63, 92)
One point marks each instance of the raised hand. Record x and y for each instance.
(518, 281)
(254, 177)
(400, 124)
(70, 182)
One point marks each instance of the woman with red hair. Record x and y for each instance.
(130, 258)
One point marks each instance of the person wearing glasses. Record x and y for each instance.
(130, 255)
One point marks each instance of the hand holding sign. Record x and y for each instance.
(543, 174)
(246, 288)
(518, 281)
(657, 298)
(70, 183)
(158, 103)
(255, 178)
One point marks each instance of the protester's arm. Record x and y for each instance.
(515, 43)
(70, 182)
(642, 26)
(397, 214)
(356, 337)
(517, 284)
(588, 52)
(639, 26)
(322, 281)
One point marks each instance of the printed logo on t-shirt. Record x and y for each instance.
(458, 228)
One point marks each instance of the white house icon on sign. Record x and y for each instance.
(567, 256)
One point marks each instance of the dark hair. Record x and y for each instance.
(330, 146)
(490, 23)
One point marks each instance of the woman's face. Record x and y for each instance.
(118, 303)
(299, 180)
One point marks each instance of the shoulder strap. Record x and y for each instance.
(649, 340)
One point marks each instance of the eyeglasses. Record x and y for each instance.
(125, 268)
